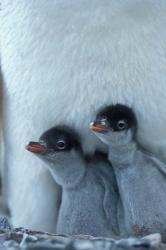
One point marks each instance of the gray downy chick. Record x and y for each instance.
(141, 177)
(89, 191)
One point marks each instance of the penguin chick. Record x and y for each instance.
(141, 177)
(89, 196)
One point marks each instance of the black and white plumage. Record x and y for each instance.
(89, 191)
(141, 177)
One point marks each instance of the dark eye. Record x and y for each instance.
(61, 144)
(121, 124)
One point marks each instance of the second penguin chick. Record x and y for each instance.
(141, 177)
(89, 192)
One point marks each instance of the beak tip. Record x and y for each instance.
(27, 147)
(91, 125)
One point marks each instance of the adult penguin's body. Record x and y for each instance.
(61, 61)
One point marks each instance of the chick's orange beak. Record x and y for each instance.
(36, 147)
(96, 127)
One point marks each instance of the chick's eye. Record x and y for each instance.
(121, 124)
(61, 144)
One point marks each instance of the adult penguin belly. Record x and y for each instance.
(61, 61)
